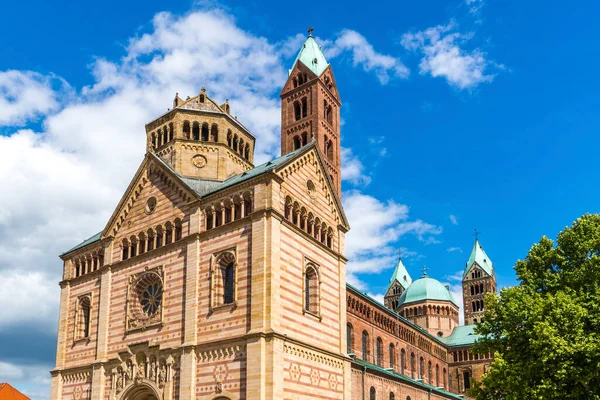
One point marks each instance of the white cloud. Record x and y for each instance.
(353, 169)
(376, 226)
(453, 249)
(443, 56)
(363, 54)
(453, 219)
(32, 296)
(26, 95)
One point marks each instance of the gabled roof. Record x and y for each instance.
(461, 336)
(7, 392)
(401, 275)
(478, 256)
(311, 55)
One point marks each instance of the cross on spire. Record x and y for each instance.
(476, 234)
(425, 270)
(310, 31)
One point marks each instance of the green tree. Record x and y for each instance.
(545, 332)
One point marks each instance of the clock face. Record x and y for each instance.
(199, 161)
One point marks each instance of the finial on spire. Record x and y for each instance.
(476, 234)
(310, 31)
(399, 254)
(425, 271)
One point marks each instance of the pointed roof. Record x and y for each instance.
(478, 256)
(312, 56)
(401, 275)
(7, 392)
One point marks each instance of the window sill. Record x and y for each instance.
(317, 316)
(85, 340)
(144, 327)
(224, 306)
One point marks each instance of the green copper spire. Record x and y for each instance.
(311, 55)
(478, 256)
(401, 275)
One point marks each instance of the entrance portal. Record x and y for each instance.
(141, 392)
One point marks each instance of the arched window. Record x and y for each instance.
(229, 138)
(392, 396)
(214, 132)
(413, 365)
(228, 284)
(304, 138)
(472, 290)
(311, 290)
(421, 368)
(402, 361)
(150, 245)
(304, 107)
(178, 231)
(391, 355)
(247, 152)
(196, 131)
(223, 280)
(379, 352)
(329, 150)
(372, 394)
(445, 378)
(133, 247)
(429, 373)
(297, 111)
(154, 140)
(467, 379)
(186, 129)
(365, 346)
(295, 82)
(159, 237)
(170, 131)
(205, 132)
(82, 328)
(125, 252)
(168, 233)
(235, 142)
(297, 143)
(349, 338)
(201, 98)
(165, 135)
(437, 375)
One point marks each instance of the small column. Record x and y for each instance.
(232, 209)
(223, 213)
(243, 206)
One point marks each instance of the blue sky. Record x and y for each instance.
(462, 115)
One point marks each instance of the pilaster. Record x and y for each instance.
(98, 382)
(187, 382)
(104, 313)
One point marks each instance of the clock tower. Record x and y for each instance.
(199, 138)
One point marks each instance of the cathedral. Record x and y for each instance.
(217, 279)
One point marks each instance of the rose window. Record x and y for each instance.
(145, 302)
(151, 299)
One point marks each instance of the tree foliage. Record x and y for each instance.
(545, 332)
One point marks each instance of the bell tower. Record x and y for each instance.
(479, 278)
(310, 108)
